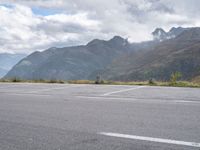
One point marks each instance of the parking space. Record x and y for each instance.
(143, 117)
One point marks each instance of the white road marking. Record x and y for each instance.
(151, 139)
(125, 90)
(46, 90)
(30, 94)
(57, 88)
(187, 101)
(142, 100)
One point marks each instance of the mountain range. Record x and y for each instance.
(70, 63)
(181, 54)
(117, 59)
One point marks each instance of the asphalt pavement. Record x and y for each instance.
(98, 117)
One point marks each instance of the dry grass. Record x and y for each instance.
(156, 83)
(147, 83)
(196, 80)
(81, 82)
(32, 81)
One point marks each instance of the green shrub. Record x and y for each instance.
(174, 77)
(152, 82)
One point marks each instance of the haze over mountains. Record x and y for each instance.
(117, 59)
(7, 61)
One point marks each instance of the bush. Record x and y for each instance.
(15, 79)
(152, 81)
(98, 79)
(55, 81)
(174, 77)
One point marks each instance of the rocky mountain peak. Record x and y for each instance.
(118, 40)
(159, 34)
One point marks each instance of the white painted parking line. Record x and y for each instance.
(27, 94)
(57, 88)
(140, 100)
(46, 90)
(124, 90)
(186, 101)
(151, 139)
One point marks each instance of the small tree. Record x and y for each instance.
(152, 81)
(174, 77)
(98, 79)
(15, 79)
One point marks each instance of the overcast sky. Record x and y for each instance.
(30, 25)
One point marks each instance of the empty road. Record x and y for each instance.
(98, 117)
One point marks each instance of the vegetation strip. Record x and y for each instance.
(103, 82)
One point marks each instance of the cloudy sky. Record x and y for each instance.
(30, 25)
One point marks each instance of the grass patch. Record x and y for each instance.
(196, 80)
(81, 82)
(32, 81)
(105, 82)
(142, 83)
(184, 84)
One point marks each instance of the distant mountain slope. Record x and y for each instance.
(2, 72)
(179, 54)
(7, 61)
(70, 62)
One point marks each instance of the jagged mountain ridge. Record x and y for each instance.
(160, 34)
(117, 59)
(181, 53)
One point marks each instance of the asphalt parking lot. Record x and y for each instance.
(98, 117)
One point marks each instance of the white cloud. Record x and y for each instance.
(78, 21)
(23, 31)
